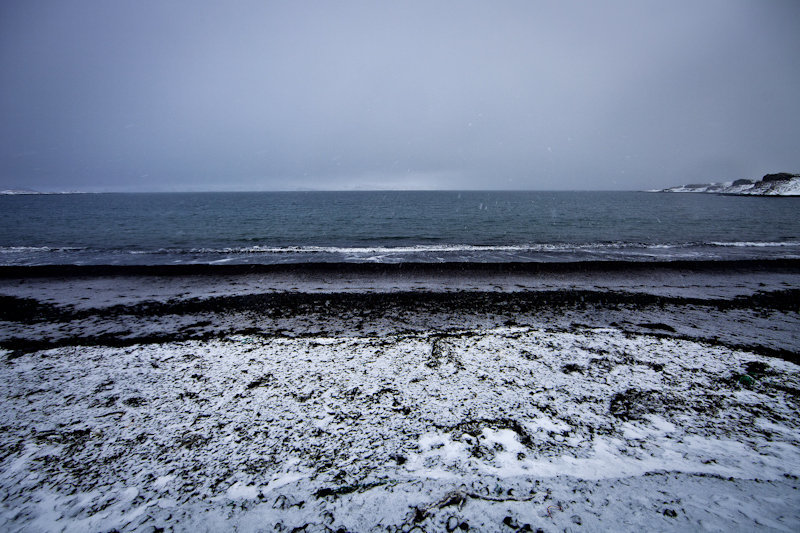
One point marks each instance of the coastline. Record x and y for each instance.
(377, 268)
(342, 397)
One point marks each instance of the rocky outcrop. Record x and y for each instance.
(780, 176)
(778, 184)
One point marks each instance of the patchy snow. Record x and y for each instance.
(490, 428)
(238, 491)
(788, 187)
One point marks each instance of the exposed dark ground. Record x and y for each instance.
(763, 322)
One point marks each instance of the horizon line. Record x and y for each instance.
(31, 192)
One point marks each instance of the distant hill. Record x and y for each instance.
(19, 191)
(780, 184)
(29, 191)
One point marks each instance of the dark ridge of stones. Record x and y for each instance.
(757, 369)
(779, 176)
(321, 306)
(658, 325)
(25, 310)
(447, 270)
(21, 346)
(346, 489)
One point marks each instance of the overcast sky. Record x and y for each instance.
(233, 95)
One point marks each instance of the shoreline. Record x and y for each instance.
(362, 268)
(743, 305)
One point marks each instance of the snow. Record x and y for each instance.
(238, 491)
(367, 431)
(790, 187)
(163, 481)
(334, 411)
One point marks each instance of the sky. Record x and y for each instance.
(172, 95)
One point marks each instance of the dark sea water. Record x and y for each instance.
(443, 226)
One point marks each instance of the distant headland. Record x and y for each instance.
(779, 184)
(29, 191)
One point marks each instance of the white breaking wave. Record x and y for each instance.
(443, 248)
(750, 244)
(415, 249)
(546, 252)
(29, 249)
(456, 248)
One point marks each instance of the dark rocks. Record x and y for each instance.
(345, 489)
(510, 522)
(757, 369)
(325, 492)
(134, 401)
(398, 458)
(743, 182)
(572, 367)
(658, 325)
(634, 404)
(419, 515)
(779, 176)
(260, 382)
(26, 310)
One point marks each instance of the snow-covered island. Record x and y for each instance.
(18, 191)
(780, 184)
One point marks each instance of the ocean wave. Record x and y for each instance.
(468, 248)
(750, 244)
(423, 248)
(33, 249)
(419, 253)
(413, 249)
(401, 250)
(417, 249)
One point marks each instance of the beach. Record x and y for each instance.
(399, 267)
(380, 397)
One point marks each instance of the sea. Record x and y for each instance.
(393, 227)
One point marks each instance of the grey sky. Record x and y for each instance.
(190, 95)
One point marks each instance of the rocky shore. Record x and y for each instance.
(779, 184)
(495, 401)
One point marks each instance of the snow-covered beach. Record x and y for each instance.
(444, 399)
